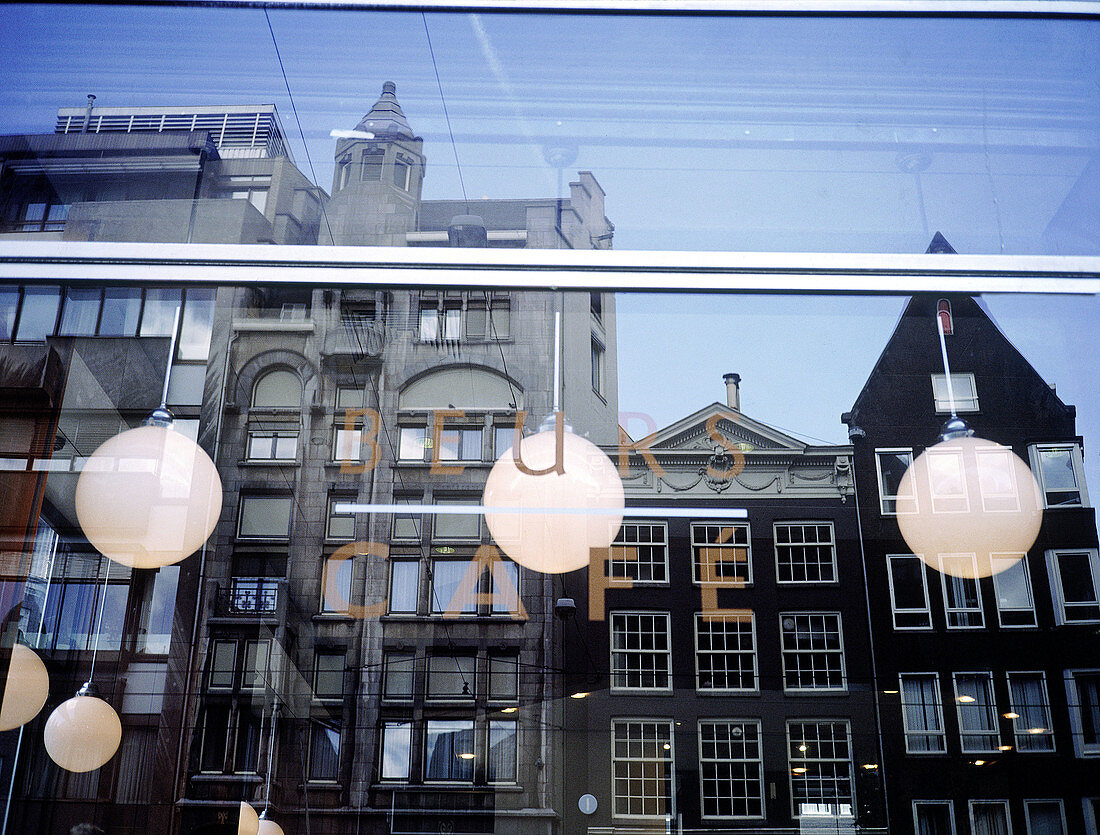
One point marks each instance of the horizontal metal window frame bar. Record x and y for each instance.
(984, 8)
(41, 262)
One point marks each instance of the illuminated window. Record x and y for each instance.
(820, 758)
(642, 768)
(449, 750)
(922, 713)
(977, 713)
(1027, 698)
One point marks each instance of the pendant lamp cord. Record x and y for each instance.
(946, 367)
(171, 355)
(99, 619)
(270, 756)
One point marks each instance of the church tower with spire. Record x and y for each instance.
(378, 178)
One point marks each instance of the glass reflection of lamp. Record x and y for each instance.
(976, 508)
(555, 496)
(249, 821)
(26, 689)
(149, 497)
(84, 732)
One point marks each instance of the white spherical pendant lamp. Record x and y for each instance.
(559, 517)
(269, 827)
(26, 690)
(148, 497)
(969, 507)
(83, 733)
(249, 821)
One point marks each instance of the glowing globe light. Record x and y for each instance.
(561, 516)
(249, 821)
(83, 733)
(148, 497)
(26, 690)
(268, 827)
(969, 507)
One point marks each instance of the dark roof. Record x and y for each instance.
(386, 118)
(45, 145)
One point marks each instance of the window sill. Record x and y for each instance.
(332, 617)
(214, 776)
(289, 462)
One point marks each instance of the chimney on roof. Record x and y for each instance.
(733, 391)
(88, 114)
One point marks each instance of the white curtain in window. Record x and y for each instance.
(922, 714)
(990, 819)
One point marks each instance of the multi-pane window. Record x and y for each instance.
(963, 390)
(264, 517)
(1083, 696)
(339, 525)
(642, 768)
(731, 778)
(1045, 817)
(453, 315)
(396, 750)
(459, 443)
(641, 653)
(1059, 470)
(909, 592)
(472, 586)
(962, 595)
(230, 738)
(977, 713)
(813, 651)
(324, 752)
(1030, 709)
(449, 750)
(989, 817)
(933, 817)
(820, 757)
(805, 552)
(272, 441)
(1012, 585)
(720, 554)
(891, 465)
(640, 553)
(1075, 584)
(328, 674)
(922, 713)
(725, 650)
(452, 676)
(237, 665)
(407, 526)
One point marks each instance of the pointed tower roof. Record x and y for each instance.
(939, 246)
(386, 119)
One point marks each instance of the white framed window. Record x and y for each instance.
(731, 769)
(1083, 698)
(642, 768)
(947, 480)
(820, 758)
(721, 554)
(1029, 705)
(339, 526)
(1045, 816)
(347, 440)
(890, 465)
(264, 517)
(1012, 587)
(813, 651)
(1060, 471)
(396, 743)
(413, 443)
(908, 591)
(962, 596)
(640, 553)
(977, 712)
(933, 817)
(990, 817)
(963, 388)
(725, 651)
(922, 713)
(1075, 585)
(641, 651)
(805, 552)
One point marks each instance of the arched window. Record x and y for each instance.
(279, 389)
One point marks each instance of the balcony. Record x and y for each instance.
(251, 598)
(353, 339)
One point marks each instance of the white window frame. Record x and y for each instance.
(941, 803)
(670, 800)
(793, 763)
(398, 725)
(965, 404)
(1077, 462)
(940, 733)
(618, 565)
(1001, 610)
(990, 802)
(1038, 800)
(1025, 734)
(894, 609)
(732, 545)
(726, 615)
(831, 545)
(787, 653)
(666, 653)
(747, 762)
(949, 610)
(1058, 592)
(994, 731)
(883, 496)
(1073, 700)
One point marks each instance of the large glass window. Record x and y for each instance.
(805, 552)
(820, 757)
(639, 553)
(922, 713)
(731, 773)
(641, 652)
(977, 713)
(642, 768)
(725, 650)
(813, 651)
(721, 554)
